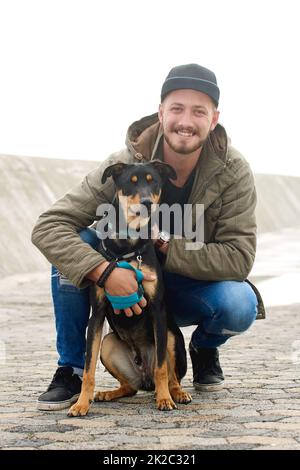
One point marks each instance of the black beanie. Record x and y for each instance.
(194, 77)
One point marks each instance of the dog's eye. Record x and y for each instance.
(149, 178)
(134, 179)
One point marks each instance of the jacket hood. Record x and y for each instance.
(143, 137)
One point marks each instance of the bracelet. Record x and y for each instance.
(107, 271)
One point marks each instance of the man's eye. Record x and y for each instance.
(176, 109)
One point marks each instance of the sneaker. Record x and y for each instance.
(207, 373)
(63, 391)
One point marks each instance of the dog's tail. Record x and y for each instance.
(180, 354)
(180, 351)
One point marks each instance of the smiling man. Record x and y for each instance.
(187, 117)
(206, 287)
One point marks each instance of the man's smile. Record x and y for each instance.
(185, 132)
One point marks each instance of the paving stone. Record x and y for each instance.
(291, 419)
(198, 442)
(281, 412)
(274, 425)
(19, 448)
(279, 446)
(87, 424)
(260, 440)
(259, 407)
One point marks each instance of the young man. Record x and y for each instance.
(204, 287)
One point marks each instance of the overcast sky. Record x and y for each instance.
(75, 73)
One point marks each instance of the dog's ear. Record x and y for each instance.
(164, 169)
(113, 170)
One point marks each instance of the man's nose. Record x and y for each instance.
(186, 120)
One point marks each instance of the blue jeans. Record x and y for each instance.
(219, 309)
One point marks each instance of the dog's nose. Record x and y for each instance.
(147, 203)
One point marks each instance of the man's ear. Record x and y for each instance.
(164, 169)
(215, 120)
(113, 170)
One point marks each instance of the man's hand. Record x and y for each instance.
(155, 235)
(122, 282)
(164, 248)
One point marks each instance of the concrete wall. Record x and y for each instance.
(28, 186)
(278, 202)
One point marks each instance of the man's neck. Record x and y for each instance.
(182, 164)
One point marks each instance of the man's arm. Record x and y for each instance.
(231, 255)
(56, 233)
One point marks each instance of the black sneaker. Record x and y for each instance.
(63, 391)
(207, 373)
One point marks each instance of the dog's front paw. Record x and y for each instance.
(165, 404)
(79, 409)
(103, 396)
(180, 396)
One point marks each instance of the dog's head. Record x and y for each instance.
(138, 187)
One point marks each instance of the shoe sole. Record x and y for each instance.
(208, 387)
(51, 406)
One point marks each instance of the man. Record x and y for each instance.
(204, 287)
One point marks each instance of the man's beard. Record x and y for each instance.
(184, 149)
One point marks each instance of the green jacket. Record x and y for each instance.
(223, 183)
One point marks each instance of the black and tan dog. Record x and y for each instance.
(146, 351)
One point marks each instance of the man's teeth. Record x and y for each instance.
(185, 133)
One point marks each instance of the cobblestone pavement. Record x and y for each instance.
(259, 408)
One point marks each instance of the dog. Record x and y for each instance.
(146, 351)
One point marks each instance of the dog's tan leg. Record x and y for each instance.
(81, 407)
(118, 360)
(178, 394)
(163, 398)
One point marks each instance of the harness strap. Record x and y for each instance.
(110, 255)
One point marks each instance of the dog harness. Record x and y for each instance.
(109, 255)
(125, 301)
